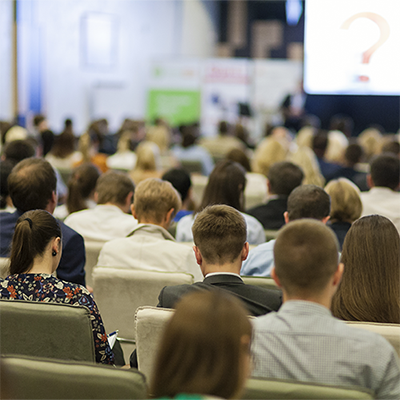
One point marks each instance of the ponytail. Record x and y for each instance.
(22, 254)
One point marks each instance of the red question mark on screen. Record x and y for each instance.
(385, 32)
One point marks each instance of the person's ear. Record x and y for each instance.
(337, 276)
(169, 216)
(133, 211)
(274, 276)
(56, 247)
(370, 182)
(197, 254)
(245, 251)
(96, 197)
(128, 203)
(326, 219)
(268, 186)
(286, 217)
(51, 205)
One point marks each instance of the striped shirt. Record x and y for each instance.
(302, 341)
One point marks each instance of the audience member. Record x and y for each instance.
(306, 159)
(5, 199)
(219, 234)
(383, 197)
(35, 254)
(45, 135)
(370, 287)
(391, 145)
(124, 159)
(181, 181)
(148, 163)
(282, 178)
(319, 146)
(150, 246)
(189, 150)
(32, 185)
(306, 201)
(346, 206)
(226, 185)
(110, 218)
(220, 145)
(204, 350)
(81, 187)
(18, 150)
(370, 140)
(89, 144)
(302, 341)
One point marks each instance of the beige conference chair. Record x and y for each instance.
(286, 389)
(391, 332)
(28, 378)
(92, 249)
(119, 292)
(267, 283)
(50, 330)
(4, 264)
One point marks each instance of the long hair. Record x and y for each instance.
(225, 185)
(370, 287)
(202, 349)
(33, 232)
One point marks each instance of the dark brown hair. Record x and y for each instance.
(220, 233)
(226, 185)
(33, 232)
(81, 185)
(114, 187)
(385, 171)
(370, 287)
(64, 144)
(31, 184)
(201, 350)
(240, 157)
(284, 176)
(306, 256)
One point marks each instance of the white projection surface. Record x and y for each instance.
(352, 47)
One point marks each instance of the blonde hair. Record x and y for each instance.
(268, 152)
(147, 156)
(345, 200)
(305, 136)
(154, 198)
(370, 140)
(337, 145)
(306, 159)
(160, 135)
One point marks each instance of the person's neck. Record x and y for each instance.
(42, 265)
(227, 267)
(151, 222)
(322, 299)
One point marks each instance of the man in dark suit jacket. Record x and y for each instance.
(32, 185)
(283, 177)
(219, 234)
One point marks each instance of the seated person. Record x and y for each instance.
(370, 287)
(204, 349)
(150, 246)
(219, 234)
(306, 201)
(282, 178)
(35, 254)
(302, 341)
(109, 219)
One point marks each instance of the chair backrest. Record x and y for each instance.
(271, 234)
(92, 250)
(149, 325)
(4, 264)
(285, 389)
(25, 378)
(119, 292)
(267, 283)
(50, 330)
(391, 332)
(192, 166)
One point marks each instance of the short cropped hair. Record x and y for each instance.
(31, 184)
(154, 198)
(346, 203)
(18, 150)
(284, 176)
(114, 187)
(180, 180)
(306, 255)
(308, 201)
(385, 171)
(219, 232)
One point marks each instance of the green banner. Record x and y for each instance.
(176, 106)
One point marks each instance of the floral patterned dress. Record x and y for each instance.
(47, 288)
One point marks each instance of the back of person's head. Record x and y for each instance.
(385, 171)
(33, 232)
(38, 119)
(18, 150)
(220, 233)
(391, 146)
(308, 201)
(370, 286)
(320, 143)
(306, 257)
(226, 185)
(81, 186)
(204, 348)
(346, 203)
(307, 160)
(154, 198)
(31, 184)
(64, 144)
(6, 167)
(180, 180)
(147, 156)
(240, 157)
(114, 187)
(353, 154)
(283, 177)
(370, 140)
(189, 135)
(223, 128)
